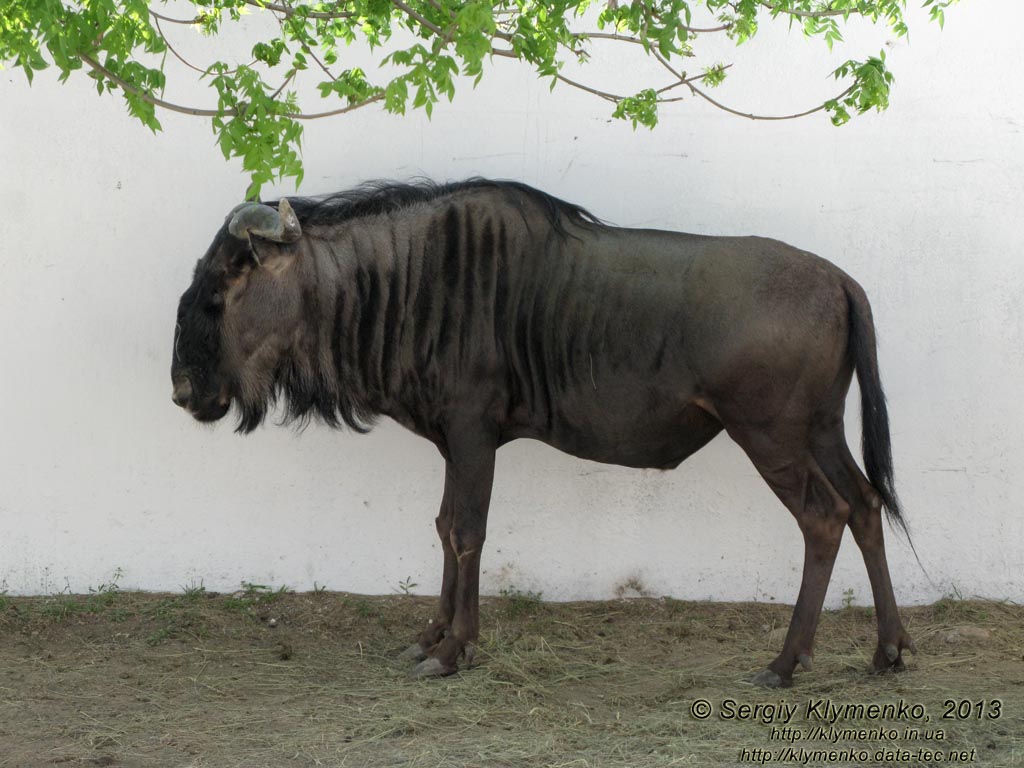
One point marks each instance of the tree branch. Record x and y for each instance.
(319, 63)
(695, 30)
(637, 40)
(169, 20)
(664, 62)
(178, 56)
(681, 76)
(749, 116)
(811, 14)
(616, 98)
(425, 22)
(287, 11)
(253, 114)
(340, 111)
(307, 50)
(602, 94)
(287, 80)
(606, 36)
(197, 112)
(135, 91)
(698, 30)
(182, 59)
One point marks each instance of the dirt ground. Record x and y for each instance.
(266, 678)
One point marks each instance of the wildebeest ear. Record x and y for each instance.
(280, 224)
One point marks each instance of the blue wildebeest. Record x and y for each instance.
(479, 312)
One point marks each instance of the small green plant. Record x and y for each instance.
(406, 587)
(520, 603)
(111, 586)
(104, 595)
(158, 636)
(848, 598)
(177, 616)
(251, 595)
(264, 593)
(319, 589)
(59, 607)
(163, 609)
(193, 591)
(99, 598)
(185, 623)
(118, 615)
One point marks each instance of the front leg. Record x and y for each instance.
(442, 621)
(469, 475)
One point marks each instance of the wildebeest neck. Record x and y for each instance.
(400, 304)
(408, 312)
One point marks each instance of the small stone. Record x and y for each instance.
(271, 622)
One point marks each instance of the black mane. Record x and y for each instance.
(377, 197)
(305, 398)
(299, 388)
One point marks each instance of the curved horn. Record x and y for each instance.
(280, 225)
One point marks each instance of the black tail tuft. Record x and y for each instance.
(875, 442)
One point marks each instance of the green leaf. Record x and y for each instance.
(714, 76)
(641, 109)
(448, 38)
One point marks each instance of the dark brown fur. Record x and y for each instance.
(482, 312)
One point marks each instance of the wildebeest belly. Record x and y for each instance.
(637, 432)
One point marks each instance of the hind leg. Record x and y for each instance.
(795, 477)
(866, 526)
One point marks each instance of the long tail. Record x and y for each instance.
(875, 443)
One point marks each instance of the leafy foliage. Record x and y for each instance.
(123, 45)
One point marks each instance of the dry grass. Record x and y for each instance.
(266, 679)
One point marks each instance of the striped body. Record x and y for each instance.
(595, 340)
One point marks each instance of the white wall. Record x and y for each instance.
(102, 222)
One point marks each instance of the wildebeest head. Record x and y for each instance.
(238, 319)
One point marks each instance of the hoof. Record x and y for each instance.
(889, 657)
(430, 667)
(884, 666)
(768, 678)
(414, 652)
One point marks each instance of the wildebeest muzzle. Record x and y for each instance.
(211, 408)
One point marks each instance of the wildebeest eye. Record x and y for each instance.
(216, 301)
